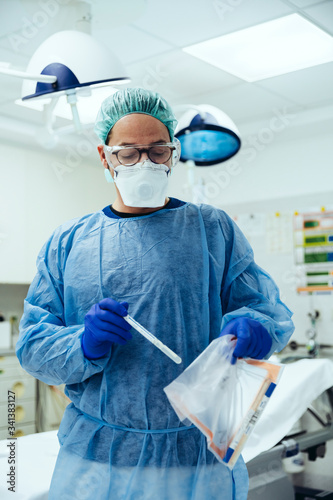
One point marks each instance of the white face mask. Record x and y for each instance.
(142, 185)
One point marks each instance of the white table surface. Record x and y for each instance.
(36, 456)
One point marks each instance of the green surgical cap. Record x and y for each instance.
(133, 100)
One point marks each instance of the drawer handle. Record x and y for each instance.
(19, 433)
(19, 389)
(19, 413)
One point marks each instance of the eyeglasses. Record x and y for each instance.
(129, 155)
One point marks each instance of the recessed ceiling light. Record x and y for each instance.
(269, 49)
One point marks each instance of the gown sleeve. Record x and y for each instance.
(248, 290)
(47, 348)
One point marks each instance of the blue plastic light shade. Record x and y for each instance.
(208, 147)
(206, 142)
(66, 80)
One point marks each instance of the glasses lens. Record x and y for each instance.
(160, 154)
(128, 156)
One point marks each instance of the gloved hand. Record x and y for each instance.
(104, 324)
(253, 340)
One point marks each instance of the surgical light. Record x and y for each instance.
(71, 64)
(77, 60)
(207, 135)
(283, 45)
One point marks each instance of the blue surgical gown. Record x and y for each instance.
(185, 273)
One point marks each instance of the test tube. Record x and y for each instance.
(157, 343)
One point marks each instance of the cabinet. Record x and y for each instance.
(14, 378)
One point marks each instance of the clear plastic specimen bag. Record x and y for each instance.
(223, 400)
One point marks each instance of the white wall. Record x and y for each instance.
(39, 191)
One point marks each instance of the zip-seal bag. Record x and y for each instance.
(223, 400)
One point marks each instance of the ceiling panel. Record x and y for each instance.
(9, 22)
(109, 14)
(190, 21)
(177, 74)
(308, 87)
(131, 44)
(305, 3)
(244, 102)
(30, 24)
(318, 119)
(322, 13)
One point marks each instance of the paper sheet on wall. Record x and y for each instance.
(279, 234)
(251, 224)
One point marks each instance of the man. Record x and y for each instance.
(183, 271)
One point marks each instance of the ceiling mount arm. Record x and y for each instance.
(28, 76)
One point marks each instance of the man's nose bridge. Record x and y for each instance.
(144, 155)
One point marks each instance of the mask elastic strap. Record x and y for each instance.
(108, 175)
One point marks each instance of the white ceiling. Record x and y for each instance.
(148, 36)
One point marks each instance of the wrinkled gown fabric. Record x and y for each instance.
(185, 273)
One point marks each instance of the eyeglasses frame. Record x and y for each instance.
(174, 146)
(116, 149)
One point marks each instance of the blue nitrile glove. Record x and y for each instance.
(104, 324)
(253, 340)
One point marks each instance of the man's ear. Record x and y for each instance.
(100, 149)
